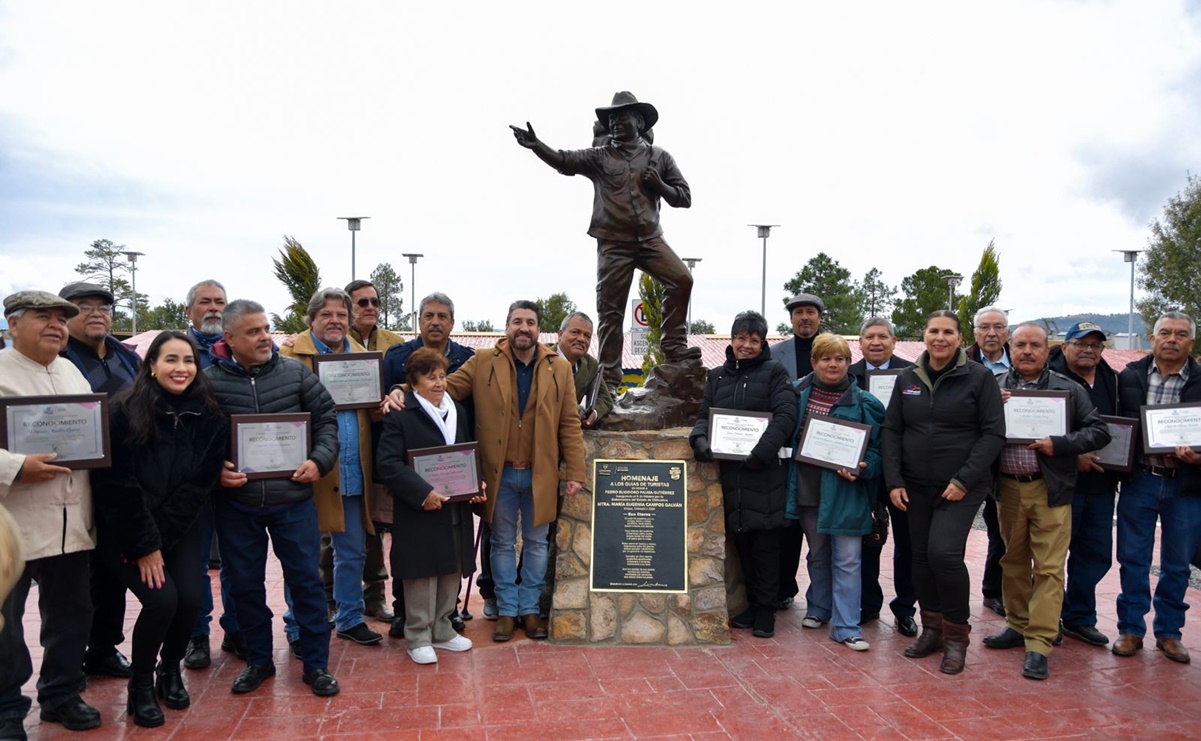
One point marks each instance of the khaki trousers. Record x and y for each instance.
(428, 604)
(1032, 570)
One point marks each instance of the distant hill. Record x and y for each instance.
(1111, 323)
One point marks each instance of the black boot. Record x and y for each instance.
(170, 688)
(142, 705)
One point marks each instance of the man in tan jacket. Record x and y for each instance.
(52, 505)
(526, 421)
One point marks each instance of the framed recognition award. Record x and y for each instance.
(355, 379)
(833, 443)
(270, 446)
(1166, 426)
(881, 382)
(734, 433)
(1119, 454)
(1031, 415)
(454, 470)
(73, 427)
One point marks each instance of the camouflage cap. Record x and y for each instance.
(37, 300)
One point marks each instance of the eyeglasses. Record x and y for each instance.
(994, 327)
(1094, 346)
(364, 302)
(95, 308)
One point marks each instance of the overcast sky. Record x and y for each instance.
(890, 135)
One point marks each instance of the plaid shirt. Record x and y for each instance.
(1016, 458)
(1163, 389)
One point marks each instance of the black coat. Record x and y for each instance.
(430, 543)
(1132, 388)
(154, 492)
(1088, 433)
(952, 430)
(279, 386)
(754, 490)
(1104, 395)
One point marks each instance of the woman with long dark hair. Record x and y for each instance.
(169, 441)
(943, 429)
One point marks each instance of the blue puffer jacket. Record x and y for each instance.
(846, 506)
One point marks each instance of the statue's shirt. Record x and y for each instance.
(623, 208)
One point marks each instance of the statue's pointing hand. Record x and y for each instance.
(526, 138)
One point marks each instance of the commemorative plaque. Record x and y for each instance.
(1119, 454)
(880, 384)
(1031, 415)
(1166, 426)
(73, 427)
(453, 470)
(639, 526)
(833, 443)
(355, 380)
(269, 446)
(734, 433)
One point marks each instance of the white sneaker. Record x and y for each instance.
(812, 622)
(458, 643)
(856, 643)
(423, 655)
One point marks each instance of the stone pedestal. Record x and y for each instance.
(698, 617)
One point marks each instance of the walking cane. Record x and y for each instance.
(479, 534)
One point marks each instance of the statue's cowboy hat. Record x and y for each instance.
(625, 101)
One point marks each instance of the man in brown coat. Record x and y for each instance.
(526, 420)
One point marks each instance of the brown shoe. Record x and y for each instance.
(1126, 645)
(931, 638)
(534, 626)
(955, 639)
(505, 625)
(1172, 648)
(380, 612)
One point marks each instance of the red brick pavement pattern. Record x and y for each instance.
(796, 685)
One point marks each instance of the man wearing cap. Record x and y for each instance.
(109, 367)
(53, 507)
(877, 342)
(991, 348)
(1166, 487)
(1036, 486)
(1090, 552)
(629, 177)
(805, 312)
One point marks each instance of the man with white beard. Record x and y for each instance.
(204, 304)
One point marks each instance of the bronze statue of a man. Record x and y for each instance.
(629, 177)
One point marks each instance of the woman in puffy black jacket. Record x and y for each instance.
(753, 488)
(168, 441)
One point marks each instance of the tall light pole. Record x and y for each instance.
(1130, 256)
(691, 263)
(133, 281)
(763, 233)
(353, 223)
(413, 283)
(953, 281)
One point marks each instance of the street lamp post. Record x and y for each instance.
(1130, 256)
(763, 233)
(133, 281)
(953, 281)
(691, 263)
(353, 223)
(413, 283)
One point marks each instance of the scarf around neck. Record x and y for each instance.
(447, 408)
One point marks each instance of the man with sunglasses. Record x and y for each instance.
(109, 367)
(364, 329)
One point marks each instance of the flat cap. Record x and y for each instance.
(803, 299)
(72, 291)
(38, 300)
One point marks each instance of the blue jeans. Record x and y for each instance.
(229, 614)
(1090, 555)
(835, 578)
(350, 552)
(516, 495)
(297, 542)
(1143, 500)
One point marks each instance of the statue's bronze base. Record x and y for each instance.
(671, 397)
